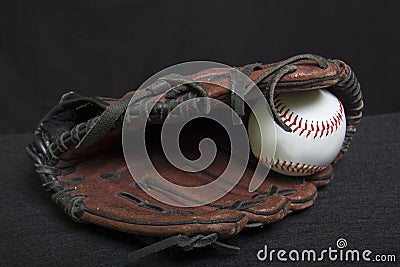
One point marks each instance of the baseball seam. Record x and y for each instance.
(290, 166)
(306, 127)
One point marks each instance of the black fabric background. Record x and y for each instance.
(102, 47)
(361, 205)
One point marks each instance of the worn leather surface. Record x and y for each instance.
(98, 189)
(106, 183)
(357, 206)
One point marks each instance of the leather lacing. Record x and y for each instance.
(46, 155)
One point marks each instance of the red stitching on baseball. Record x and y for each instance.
(319, 128)
(294, 121)
(286, 112)
(323, 129)
(296, 167)
(289, 118)
(332, 125)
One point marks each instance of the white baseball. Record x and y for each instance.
(318, 125)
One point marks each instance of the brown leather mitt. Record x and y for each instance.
(77, 151)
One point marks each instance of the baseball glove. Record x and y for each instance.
(77, 152)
